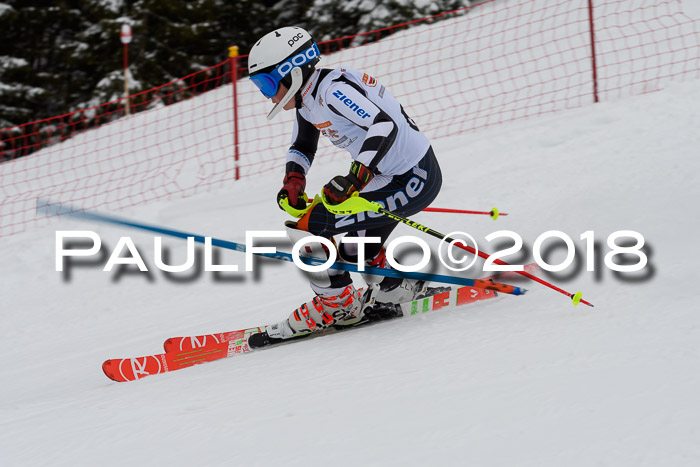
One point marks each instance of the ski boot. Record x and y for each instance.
(323, 311)
(392, 289)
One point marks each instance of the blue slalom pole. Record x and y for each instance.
(49, 208)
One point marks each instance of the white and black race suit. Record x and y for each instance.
(356, 113)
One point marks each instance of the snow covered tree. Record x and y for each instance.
(329, 19)
(54, 52)
(57, 56)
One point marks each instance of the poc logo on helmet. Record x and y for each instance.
(295, 39)
(298, 60)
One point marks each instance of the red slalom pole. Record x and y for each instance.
(494, 215)
(575, 297)
(357, 204)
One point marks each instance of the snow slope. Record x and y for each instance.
(527, 381)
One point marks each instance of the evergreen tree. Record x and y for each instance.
(329, 19)
(58, 51)
(57, 56)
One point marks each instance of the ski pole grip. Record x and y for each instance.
(352, 205)
(299, 213)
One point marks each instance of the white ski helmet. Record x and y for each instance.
(287, 55)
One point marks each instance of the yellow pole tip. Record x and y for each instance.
(494, 213)
(577, 298)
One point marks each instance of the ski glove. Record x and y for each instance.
(293, 190)
(341, 187)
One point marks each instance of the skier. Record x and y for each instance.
(393, 165)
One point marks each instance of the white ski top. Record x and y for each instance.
(356, 113)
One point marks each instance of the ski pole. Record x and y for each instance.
(57, 209)
(493, 213)
(356, 204)
(311, 203)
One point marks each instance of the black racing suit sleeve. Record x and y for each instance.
(304, 141)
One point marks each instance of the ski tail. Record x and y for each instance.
(183, 344)
(131, 369)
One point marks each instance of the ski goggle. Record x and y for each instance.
(269, 83)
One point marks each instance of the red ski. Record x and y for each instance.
(200, 350)
(183, 352)
(463, 296)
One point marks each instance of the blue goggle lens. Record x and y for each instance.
(266, 83)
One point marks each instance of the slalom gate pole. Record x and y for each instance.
(49, 208)
(493, 213)
(356, 204)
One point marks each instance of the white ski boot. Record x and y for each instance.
(398, 290)
(392, 289)
(322, 311)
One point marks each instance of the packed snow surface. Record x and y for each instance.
(526, 381)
